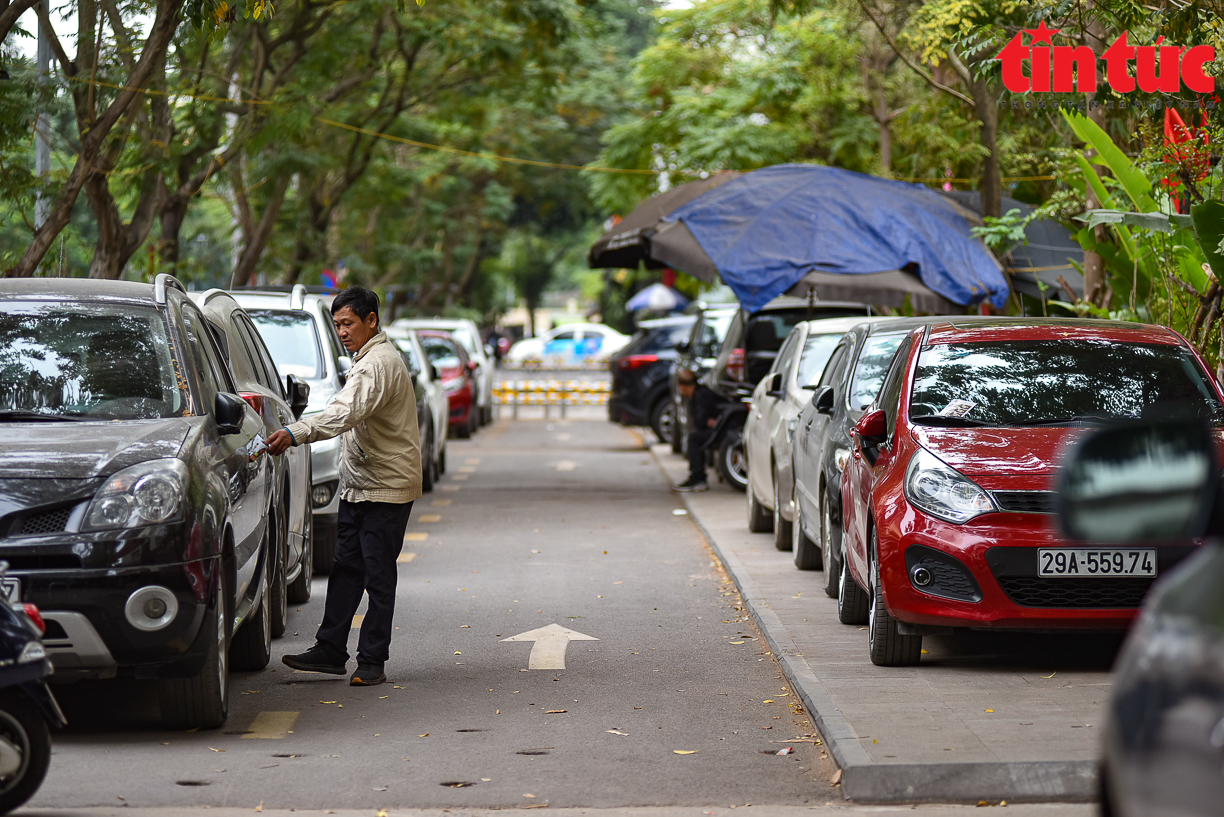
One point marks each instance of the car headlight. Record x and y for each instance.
(840, 457)
(150, 493)
(944, 492)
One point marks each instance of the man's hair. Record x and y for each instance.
(359, 299)
(686, 377)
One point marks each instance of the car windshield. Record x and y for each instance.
(713, 330)
(293, 340)
(655, 339)
(1060, 381)
(872, 365)
(405, 346)
(440, 353)
(816, 352)
(86, 361)
(469, 342)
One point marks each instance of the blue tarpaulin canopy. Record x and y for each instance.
(763, 232)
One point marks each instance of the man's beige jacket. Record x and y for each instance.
(376, 411)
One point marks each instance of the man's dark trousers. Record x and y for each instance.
(369, 538)
(698, 441)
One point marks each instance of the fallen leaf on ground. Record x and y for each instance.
(1051, 675)
(836, 780)
(329, 702)
(532, 796)
(553, 711)
(616, 732)
(767, 701)
(424, 735)
(458, 653)
(735, 642)
(211, 749)
(684, 751)
(380, 788)
(990, 710)
(260, 806)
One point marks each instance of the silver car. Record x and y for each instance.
(465, 332)
(433, 438)
(297, 328)
(776, 403)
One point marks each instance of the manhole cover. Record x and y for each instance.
(458, 784)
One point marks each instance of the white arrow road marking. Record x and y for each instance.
(548, 651)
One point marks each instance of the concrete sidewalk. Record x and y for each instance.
(990, 717)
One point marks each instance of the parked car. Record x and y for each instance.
(455, 373)
(433, 406)
(698, 354)
(468, 335)
(136, 491)
(572, 344)
(1163, 730)
(821, 445)
(947, 495)
(279, 403)
(297, 328)
(776, 403)
(641, 373)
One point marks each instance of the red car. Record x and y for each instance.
(455, 370)
(948, 496)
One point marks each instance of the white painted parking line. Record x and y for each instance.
(271, 725)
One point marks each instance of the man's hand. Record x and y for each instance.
(280, 442)
(710, 423)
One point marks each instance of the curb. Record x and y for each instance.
(865, 781)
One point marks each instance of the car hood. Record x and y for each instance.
(998, 451)
(85, 450)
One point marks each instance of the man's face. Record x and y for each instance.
(354, 332)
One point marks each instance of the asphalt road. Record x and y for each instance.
(535, 524)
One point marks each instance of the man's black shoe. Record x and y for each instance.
(316, 659)
(367, 675)
(692, 485)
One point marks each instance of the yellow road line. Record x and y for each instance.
(467, 469)
(271, 725)
(440, 503)
(451, 487)
(460, 477)
(357, 619)
(405, 558)
(415, 537)
(472, 461)
(429, 517)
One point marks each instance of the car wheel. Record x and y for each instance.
(1105, 792)
(731, 461)
(202, 700)
(662, 419)
(807, 554)
(252, 647)
(679, 429)
(759, 518)
(888, 647)
(25, 731)
(427, 463)
(851, 599)
(782, 528)
(442, 460)
(464, 429)
(830, 551)
(279, 603)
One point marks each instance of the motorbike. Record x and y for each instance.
(28, 710)
(727, 444)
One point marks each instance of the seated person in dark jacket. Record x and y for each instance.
(704, 407)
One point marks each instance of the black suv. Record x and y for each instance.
(641, 394)
(134, 489)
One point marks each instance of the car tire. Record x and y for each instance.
(851, 599)
(442, 460)
(830, 550)
(23, 726)
(299, 589)
(731, 461)
(201, 701)
(679, 430)
(279, 603)
(662, 418)
(887, 646)
(252, 647)
(781, 528)
(427, 463)
(806, 552)
(464, 429)
(759, 518)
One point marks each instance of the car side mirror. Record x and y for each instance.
(343, 364)
(299, 394)
(683, 347)
(433, 373)
(822, 400)
(773, 386)
(229, 410)
(872, 427)
(1150, 482)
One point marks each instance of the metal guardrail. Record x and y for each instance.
(557, 363)
(548, 393)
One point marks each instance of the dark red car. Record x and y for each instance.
(455, 370)
(948, 496)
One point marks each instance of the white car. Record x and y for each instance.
(776, 404)
(465, 332)
(572, 344)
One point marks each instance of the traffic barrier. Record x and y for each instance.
(548, 393)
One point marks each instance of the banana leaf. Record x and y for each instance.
(1136, 185)
(1208, 219)
(1159, 222)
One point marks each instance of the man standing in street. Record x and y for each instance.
(380, 477)
(703, 409)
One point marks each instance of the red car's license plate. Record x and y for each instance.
(1096, 563)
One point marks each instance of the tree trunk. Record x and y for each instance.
(1094, 264)
(258, 238)
(990, 185)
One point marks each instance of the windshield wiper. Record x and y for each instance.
(38, 416)
(1060, 421)
(946, 420)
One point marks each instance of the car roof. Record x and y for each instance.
(265, 299)
(94, 289)
(836, 326)
(978, 330)
(664, 323)
(791, 302)
(434, 323)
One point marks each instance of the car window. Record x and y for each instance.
(464, 335)
(1050, 381)
(406, 346)
(567, 335)
(878, 352)
(837, 360)
(207, 361)
(714, 328)
(890, 392)
(87, 360)
(817, 350)
(440, 352)
(785, 354)
(292, 337)
(656, 339)
(265, 369)
(235, 350)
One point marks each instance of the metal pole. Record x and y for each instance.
(42, 150)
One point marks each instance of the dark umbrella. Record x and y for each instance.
(626, 243)
(843, 234)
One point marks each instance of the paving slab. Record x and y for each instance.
(984, 717)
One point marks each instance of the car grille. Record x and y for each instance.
(52, 521)
(1032, 591)
(1025, 501)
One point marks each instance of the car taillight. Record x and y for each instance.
(635, 361)
(735, 364)
(254, 400)
(35, 616)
